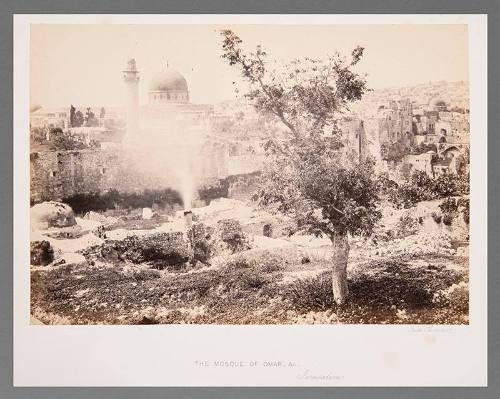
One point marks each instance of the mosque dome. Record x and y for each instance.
(168, 79)
(168, 86)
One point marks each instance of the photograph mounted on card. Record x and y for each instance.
(228, 179)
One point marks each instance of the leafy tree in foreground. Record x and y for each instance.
(308, 175)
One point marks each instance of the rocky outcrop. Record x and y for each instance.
(162, 249)
(51, 214)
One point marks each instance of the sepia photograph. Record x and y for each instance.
(244, 174)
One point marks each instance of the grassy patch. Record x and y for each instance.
(250, 290)
(392, 291)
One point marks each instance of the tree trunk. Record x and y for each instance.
(339, 268)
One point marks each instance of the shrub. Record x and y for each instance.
(458, 297)
(445, 185)
(229, 231)
(423, 148)
(449, 205)
(146, 274)
(447, 219)
(238, 262)
(252, 280)
(261, 261)
(200, 239)
(41, 253)
(385, 183)
(417, 188)
(404, 196)
(268, 262)
(237, 277)
(85, 202)
(464, 183)
(394, 152)
(465, 204)
(218, 190)
(168, 247)
(311, 293)
(406, 226)
(436, 217)
(420, 187)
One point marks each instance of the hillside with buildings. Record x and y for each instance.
(145, 214)
(424, 127)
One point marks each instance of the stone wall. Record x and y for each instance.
(55, 175)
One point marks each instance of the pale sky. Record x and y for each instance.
(82, 64)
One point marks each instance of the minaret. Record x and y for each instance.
(131, 79)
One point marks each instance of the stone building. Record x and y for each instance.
(354, 137)
(434, 127)
(421, 162)
(396, 126)
(50, 118)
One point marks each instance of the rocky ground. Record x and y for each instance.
(119, 271)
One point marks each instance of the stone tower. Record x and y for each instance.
(131, 79)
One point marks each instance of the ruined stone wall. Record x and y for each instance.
(58, 174)
(55, 175)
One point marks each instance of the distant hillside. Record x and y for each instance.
(454, 94)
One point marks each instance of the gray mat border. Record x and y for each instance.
(9, 7)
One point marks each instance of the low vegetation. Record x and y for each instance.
(420, 187)
(114, 199)
(252, 288)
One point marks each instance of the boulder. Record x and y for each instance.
(51, 214)
(42, 253)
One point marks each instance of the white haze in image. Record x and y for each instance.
(168, 154)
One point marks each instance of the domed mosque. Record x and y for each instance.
(170, 137)
(168, 86)
(168, 104)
